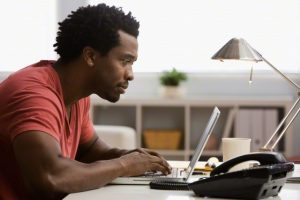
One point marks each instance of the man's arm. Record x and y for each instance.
(96, 149)
(49, 175)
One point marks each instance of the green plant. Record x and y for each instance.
(172, 78)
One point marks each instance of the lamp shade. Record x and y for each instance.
(237, 49)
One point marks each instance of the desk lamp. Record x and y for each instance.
(239, 49)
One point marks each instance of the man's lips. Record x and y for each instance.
(122, 88)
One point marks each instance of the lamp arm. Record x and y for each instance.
(287, 126)
(265, 147)
(281, 123)
(284, 76)
(290, 111)
(277, 70)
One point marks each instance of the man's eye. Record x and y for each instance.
(126, 61)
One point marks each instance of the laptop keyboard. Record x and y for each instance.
(175, 172)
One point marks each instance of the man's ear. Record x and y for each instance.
(89, 56)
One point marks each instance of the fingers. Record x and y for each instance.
(161, 168)
(150, 152)
(157, 162)
(153, 153)
(141, 161)
(164, 162)
(164, 166)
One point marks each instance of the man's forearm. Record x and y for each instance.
(72, 176)
(98, 150)
(96, 155)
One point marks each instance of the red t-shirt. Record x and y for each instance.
(32, 99)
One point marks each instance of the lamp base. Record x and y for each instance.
(265, 149)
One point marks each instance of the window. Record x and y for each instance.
(28, 31)
(185, 34)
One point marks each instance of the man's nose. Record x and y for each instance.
(130, 75)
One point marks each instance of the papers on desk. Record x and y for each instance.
(296, 175)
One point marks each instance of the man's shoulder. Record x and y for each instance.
(40, 73)
(34, 82)
(41, 70)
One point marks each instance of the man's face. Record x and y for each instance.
(114, 71)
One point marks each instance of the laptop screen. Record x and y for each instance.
(203, 140)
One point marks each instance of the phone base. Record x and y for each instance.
(254, 183)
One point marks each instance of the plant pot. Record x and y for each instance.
(172, 91)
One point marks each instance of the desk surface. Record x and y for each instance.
(137, 192)
(290, 191)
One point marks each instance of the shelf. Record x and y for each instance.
(197, 101)
(188, 115)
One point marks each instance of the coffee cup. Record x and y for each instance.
(234, 147)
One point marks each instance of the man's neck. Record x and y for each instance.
(73, 81)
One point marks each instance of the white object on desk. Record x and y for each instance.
(234, 147)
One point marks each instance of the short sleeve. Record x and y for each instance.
(36, 108)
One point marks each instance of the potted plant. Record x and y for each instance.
(170, 81)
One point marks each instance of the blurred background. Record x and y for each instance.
(183, 35)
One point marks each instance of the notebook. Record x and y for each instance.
(178, 174)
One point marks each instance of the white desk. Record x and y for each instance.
(138, 192)
(290, 191)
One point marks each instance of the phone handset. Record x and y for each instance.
(264, 158)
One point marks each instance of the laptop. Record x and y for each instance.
(178, 174)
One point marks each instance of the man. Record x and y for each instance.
(48, 147)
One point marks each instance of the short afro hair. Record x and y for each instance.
(94, 26)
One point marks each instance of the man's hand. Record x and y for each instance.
(139, 161)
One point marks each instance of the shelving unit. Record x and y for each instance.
(187, 115)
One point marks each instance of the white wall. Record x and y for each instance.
(27, 32)
(66, 6)
(186, 34)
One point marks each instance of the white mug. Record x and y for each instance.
(234, 147)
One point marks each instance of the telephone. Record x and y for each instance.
(261, 181)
